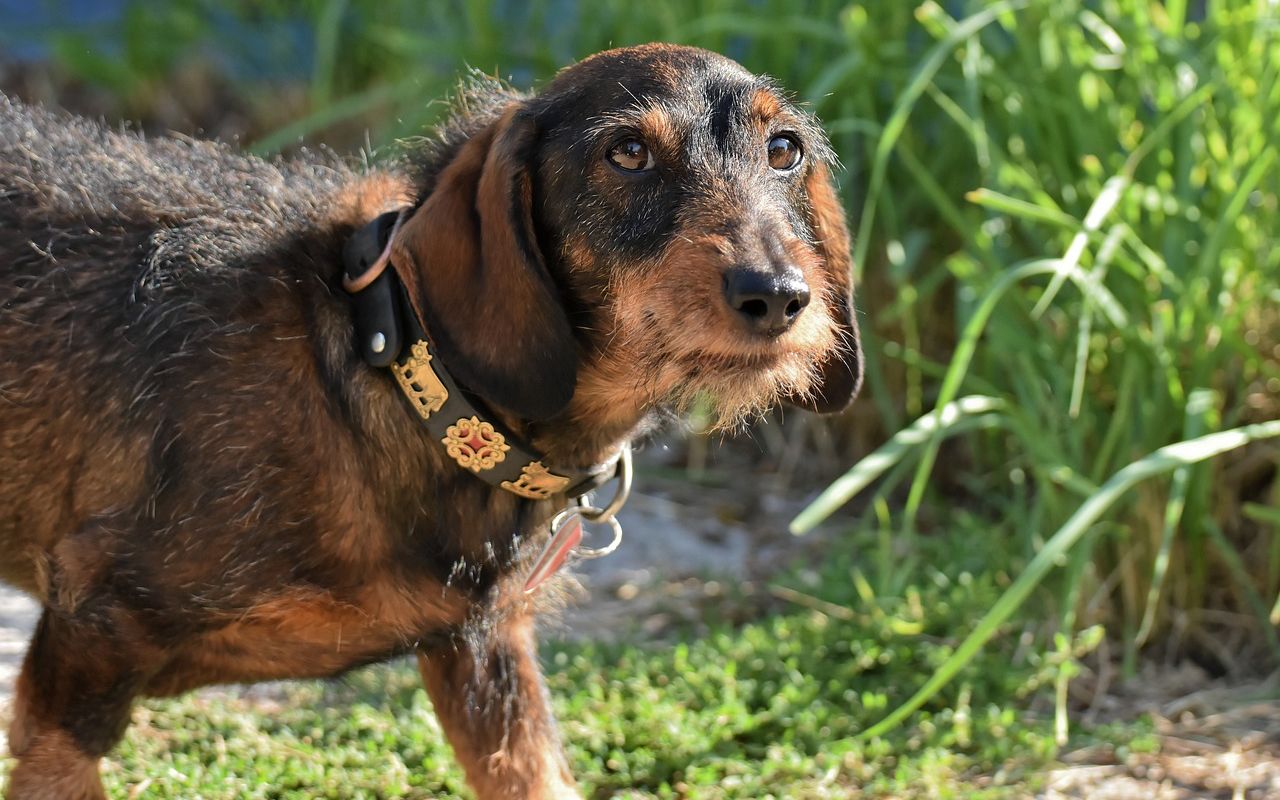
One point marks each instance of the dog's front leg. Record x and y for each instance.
(489, 695)
(71, 706)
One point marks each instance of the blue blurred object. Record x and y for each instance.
(27, 25)
(269, 47)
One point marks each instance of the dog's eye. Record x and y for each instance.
(631, 155)
(784, 153)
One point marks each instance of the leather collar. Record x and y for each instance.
(390, 335)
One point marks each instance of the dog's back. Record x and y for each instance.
(58, 168)
(118, 255)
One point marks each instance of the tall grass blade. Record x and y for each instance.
(962, 357)
(1199, 404)
(349, 107)
(1015, 207)
(888, 454)
(328, 32)
(1244, 582)
(1102, 207)
(906, 103)
(1161, 461)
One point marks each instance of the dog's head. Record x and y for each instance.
(656, 225)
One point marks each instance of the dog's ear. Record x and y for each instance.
(840, 376)
(490, 305)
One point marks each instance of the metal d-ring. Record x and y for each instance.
(623, 475)
(593, 515)
(606, 515)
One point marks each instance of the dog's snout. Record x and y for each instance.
(769, 301)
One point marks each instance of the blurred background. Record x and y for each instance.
(1068, 259)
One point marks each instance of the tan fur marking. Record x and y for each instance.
(375, 194)
(659, 129)
(317, 634)
(504, 736)
(765, 105)
(52, 768)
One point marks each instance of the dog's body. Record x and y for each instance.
(203, 482)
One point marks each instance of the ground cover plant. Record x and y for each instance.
(1066, 232)
(770, 709)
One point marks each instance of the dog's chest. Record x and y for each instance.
(300, 633)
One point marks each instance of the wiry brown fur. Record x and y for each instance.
(202, 482)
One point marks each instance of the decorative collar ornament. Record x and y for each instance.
(390, 335)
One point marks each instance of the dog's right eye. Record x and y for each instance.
(631, 155)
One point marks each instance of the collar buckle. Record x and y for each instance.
(373, 291)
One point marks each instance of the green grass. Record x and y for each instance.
(1177, 457)
(1115, 295)
(776, 708)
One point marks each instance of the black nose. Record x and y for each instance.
(768, 301)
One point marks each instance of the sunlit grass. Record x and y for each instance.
(778, 708)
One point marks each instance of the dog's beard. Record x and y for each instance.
(733, 390)
(736, 388)
(678, 365)
(737, 394)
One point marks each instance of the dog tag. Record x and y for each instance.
(566, 537)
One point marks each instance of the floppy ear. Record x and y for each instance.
(840, 376)
(483, 289)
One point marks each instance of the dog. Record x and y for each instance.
(281, 419)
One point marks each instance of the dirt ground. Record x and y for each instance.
(1217, 739)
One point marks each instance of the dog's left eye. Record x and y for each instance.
(784, 153)
(631, 155)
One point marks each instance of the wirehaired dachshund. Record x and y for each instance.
(280, 419)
